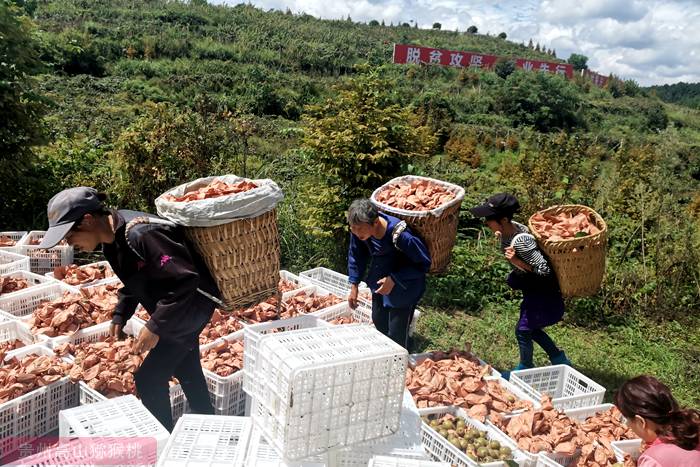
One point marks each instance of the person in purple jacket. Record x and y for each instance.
(532, 274)
(398, 264)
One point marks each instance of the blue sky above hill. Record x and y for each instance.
(650, 41)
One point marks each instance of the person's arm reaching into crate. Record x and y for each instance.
(358, 257)
(123, 311)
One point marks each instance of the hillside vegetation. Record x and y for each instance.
(134, 97)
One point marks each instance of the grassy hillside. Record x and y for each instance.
(142, 95)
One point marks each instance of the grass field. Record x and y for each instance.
(608, 355)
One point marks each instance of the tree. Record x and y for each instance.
(504, 68)
(355, 141)
(374, 22)
(554, 53)
(503, 36)
(437, 26)
(579, 62)
(22, 112)
(472, 29)
(165, 147)
(199, 2)
(530, 45)
(383, 24)
(547, 102)
(537, 47)
(405, 25)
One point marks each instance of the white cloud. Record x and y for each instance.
(651, 41)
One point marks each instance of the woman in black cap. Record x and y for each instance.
(542, 303)
(161, 270)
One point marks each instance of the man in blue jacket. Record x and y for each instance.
(399, 264)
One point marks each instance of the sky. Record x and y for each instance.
(649, 41)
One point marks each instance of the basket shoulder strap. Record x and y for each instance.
(142, 220)
(396, 233)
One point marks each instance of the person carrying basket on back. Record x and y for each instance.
(532, 274)
(162, 271)
(397, 270)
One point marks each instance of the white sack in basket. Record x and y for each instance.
(437, 212)
(221, 210)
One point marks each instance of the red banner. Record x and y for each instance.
(598, 79)
(406, 54)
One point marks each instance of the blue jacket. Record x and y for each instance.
(407, 267)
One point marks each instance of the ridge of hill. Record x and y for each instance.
(686, 94)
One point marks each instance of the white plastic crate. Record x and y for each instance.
(178, 402)
(33, 280)
(12, 330)
(404, 444)
(114, 418)
(293, 278)
(543, 460)
(17, 236)
(227, 395)
(22, 303)
(568, 388)
(336, 283)
(388, 461)
(329, 279)
(361, 314)
(255, 332)
(100, 264)
(633, 447)
(441, 449)
(36, 413)
(261, 454)
(582, 413)
(207, 441)
(42, 260)
(326, 388)
(11, 262)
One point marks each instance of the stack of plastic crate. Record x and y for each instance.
(41, 260)
(36, 413)
(323, 388)
(15, 236)
(10, 262)
(121, 417)
(207, 441)
(227, 395)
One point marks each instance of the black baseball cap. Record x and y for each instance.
(501, 204)
(66, 208)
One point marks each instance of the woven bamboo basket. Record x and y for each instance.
(437, 228)
(579, 263)
(243, 256)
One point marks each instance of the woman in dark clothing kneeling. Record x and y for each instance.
(399, 263)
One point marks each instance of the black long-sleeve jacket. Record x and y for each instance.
(163, 277)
